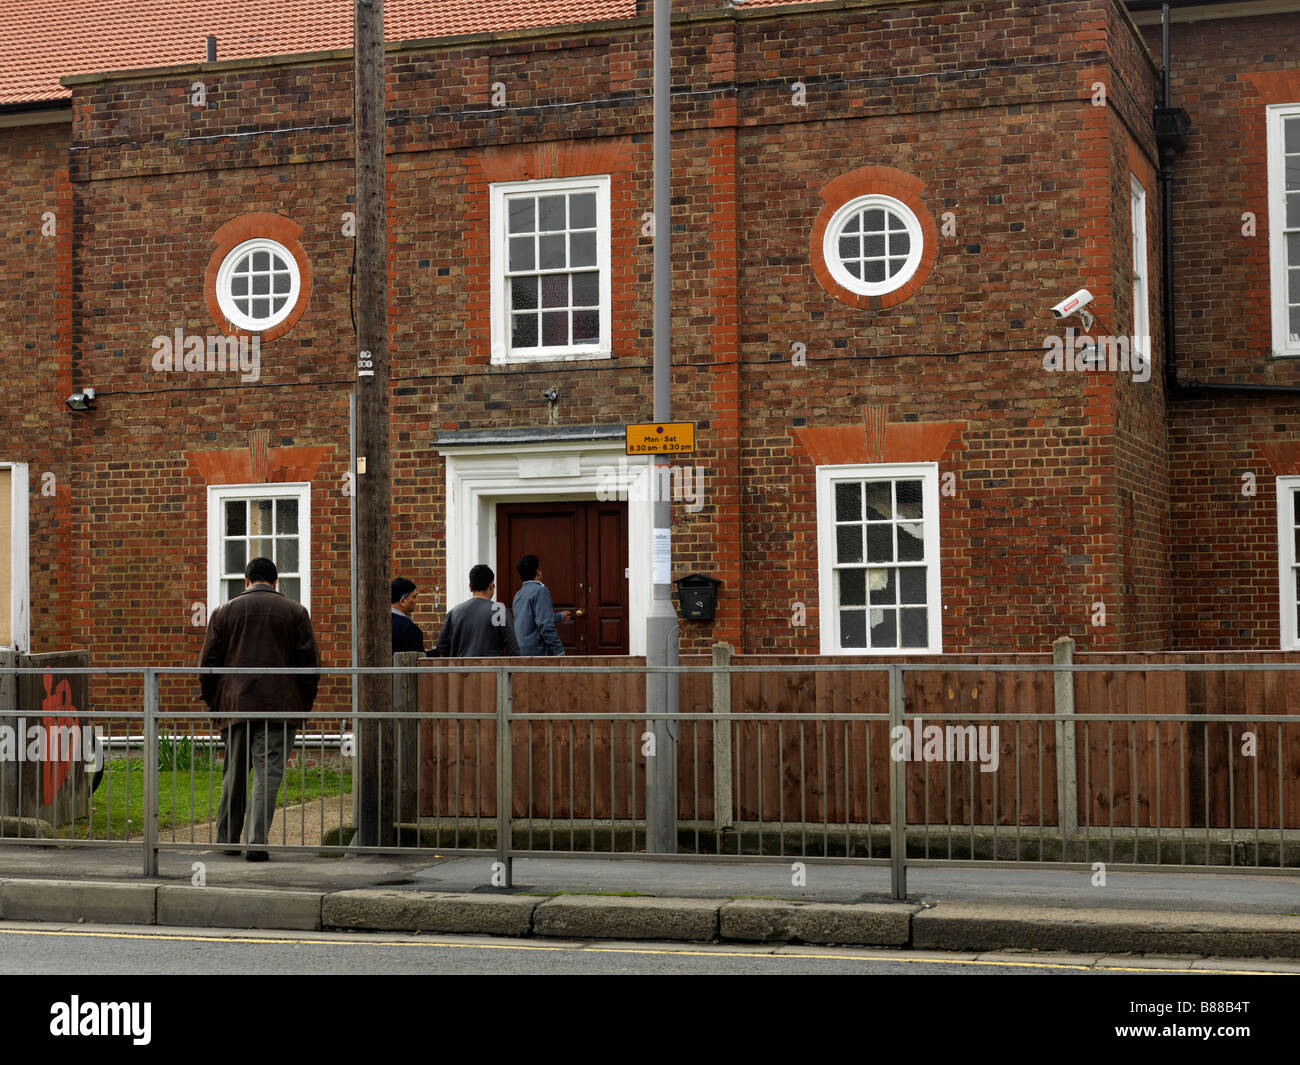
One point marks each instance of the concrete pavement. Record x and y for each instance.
(1220, 915)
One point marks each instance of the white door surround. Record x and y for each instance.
(481, 475)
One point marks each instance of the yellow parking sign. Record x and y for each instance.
(661, 438)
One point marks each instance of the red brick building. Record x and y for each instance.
(876, 206)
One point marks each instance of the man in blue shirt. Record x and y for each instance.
(535, 614)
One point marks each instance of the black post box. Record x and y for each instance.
(698, 596)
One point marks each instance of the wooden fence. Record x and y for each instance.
(1140, 774)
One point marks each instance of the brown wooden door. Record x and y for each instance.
(582, 546)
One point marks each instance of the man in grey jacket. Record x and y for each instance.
(478, 627)
(535, 614)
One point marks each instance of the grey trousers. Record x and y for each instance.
(261, 746)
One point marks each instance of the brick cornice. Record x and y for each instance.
(877, 440)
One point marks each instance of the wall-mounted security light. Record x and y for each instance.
(82, 400)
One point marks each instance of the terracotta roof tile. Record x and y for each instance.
(43, 40)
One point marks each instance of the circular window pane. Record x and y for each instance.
(258, 285)
(873, 245)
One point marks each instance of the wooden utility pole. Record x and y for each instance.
(375, 809)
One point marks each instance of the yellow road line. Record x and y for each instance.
(621, 950)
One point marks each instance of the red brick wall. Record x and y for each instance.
(1059, 479)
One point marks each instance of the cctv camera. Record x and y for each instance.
(552, 394)
(82, 400)
(1073, 304)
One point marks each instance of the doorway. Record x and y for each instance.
(583, 549)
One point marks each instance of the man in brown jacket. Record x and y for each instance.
(258, 628)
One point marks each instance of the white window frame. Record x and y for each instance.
(500, 313)
(19, 565)
(1286, 561)
(831, 245)
(226, 301)
(827, 477)
(1141, 269)
(218, 494)
(1277, 114)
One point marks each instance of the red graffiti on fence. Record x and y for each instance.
(55, 770)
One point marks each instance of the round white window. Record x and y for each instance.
(258, 284)
(873, 245)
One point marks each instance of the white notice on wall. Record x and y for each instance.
(663, 556)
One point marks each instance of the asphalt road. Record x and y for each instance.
(102, 950)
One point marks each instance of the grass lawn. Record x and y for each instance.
(117, 807)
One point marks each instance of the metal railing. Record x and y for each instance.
(890, 785)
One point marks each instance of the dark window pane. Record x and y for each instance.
(233, 588)
(261, 285)
(853, 628)
(900, 243)
(1291, 135)
(880, 504)
(261, 260)
(884, 628)
(911, 542)
(522, 218)
(286, 557)
(873, 246)
(848, 544)
(884, 587)
(236, 556)
(555, 328)
(895, 265)
(873, 221)
(854, 268)
(849, 247)
(524, 331)
(555, 290)
(880, 543)
(582, 210)
(895, 223)
(291, 587)
(286, 516)
(911, 585)
(909, 499)
(550, 213)
(914, 627)
(239, 285)
(523, 293)
(848, 502)
(1293, 205)
(261, 309)
(853, 587)
(586, 290)
(552, 251)
(282, 284)
(873, 272)
(586, 327)
(854, 224)
(582, 249)
(523, 254)
(277, 304)
(242, 306)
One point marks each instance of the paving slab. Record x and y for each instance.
(602, 917)
(94, 901)
(218, 907)
(424, 911)
(964, 926)
(865, 924)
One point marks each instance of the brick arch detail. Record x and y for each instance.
(247, 226)
(867, 181)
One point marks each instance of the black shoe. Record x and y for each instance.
(257, 856)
